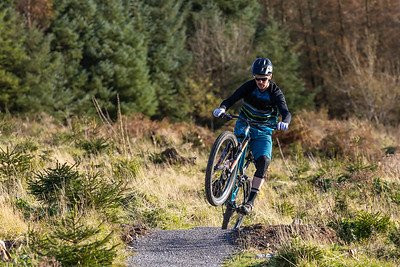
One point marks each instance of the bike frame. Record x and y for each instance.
(235, 166)
(239, 171)
(240, 159)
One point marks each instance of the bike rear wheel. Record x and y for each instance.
(231, 218)
(218, 180)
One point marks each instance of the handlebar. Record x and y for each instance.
(247, 121)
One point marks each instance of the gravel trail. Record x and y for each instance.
(202, 246)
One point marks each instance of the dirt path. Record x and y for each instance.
(203, 246)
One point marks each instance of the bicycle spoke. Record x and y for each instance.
(219, 180)
(217, 188)
(223, 156)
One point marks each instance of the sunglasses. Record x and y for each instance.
(261, 79)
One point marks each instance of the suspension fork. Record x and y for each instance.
(239, 159)
(239, 155)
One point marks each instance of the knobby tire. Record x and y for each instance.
(214, 158)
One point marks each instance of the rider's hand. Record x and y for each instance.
(218, 112)
(282, 126)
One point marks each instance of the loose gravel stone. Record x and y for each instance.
(202, 246)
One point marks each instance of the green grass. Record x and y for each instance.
(306, 254)
(243, 259)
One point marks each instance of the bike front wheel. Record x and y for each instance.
(219, 180)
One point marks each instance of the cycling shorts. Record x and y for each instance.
(260, 139)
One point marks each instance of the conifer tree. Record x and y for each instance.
(72, 241)
(245, 11)
(104, 56)
(167, 56)
(28, 69)
(12, 58)
(73, 21)
(273, 42)
(45, 90)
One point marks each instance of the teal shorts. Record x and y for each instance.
(260, 139)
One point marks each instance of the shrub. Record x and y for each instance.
(358, 173)
(362, 226)
(48, 186)
(29, 211)
(13, 164)
(65, 184)
(333, 138)
(322, 183)
(13, 161)
(94, 146)
(171, 156)
(8, 126)
(341, 204)
(324, 178)
(299, 253)
(72, 242)
(352, 140)
(395, 195)
(28, 145)
(60, 138)
(286, 208)
(380, 187)
(125, 167)
(291, 254)
(394, 236)
(359, 165)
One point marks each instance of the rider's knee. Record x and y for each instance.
(262, 164)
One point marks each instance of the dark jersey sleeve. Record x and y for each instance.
(237, 95)
(282, 106)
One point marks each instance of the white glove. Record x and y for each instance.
(282, 126)
(218, 112)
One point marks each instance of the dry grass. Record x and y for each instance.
(179, 190)
(172, 196)
(351, 138)
(390, 167)
(12, 225)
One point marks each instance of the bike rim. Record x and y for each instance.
(220, 178)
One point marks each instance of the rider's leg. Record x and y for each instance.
(262, 164)
(261, 147)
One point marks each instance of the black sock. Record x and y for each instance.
(253, 194)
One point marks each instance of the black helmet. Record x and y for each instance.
(261, 66)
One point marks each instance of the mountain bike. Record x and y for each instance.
(226, 183)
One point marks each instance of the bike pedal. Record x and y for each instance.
(239, 210)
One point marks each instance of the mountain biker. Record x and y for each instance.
(263, 101)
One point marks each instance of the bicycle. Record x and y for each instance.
(228, 161)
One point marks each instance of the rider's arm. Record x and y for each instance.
(237, 95)
(282, 106)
